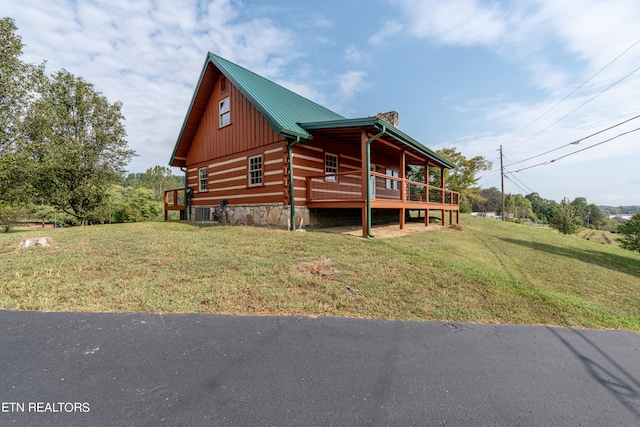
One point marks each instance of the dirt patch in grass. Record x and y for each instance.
(322, 269)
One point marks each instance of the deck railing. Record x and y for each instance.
(348, 186)
(174, 200)
(340, 186)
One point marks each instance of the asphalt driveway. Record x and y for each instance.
(203, 370)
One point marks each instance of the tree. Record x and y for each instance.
(543, 209)
(517, 205)
(19, 83)
(580, 206)
(490, 201)
(159, 179)
(77, 145)
(631, 233)
(134, 180)
(462, 179)
(565, 220)
(127, 204)
(595, 217)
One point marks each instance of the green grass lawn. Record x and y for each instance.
(491, 272)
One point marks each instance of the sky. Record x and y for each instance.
(531, 76)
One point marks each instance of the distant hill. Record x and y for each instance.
(620, 210)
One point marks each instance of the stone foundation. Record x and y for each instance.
(277, 215)
(271, 214)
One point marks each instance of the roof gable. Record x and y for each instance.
(283, 108)
(288, 113)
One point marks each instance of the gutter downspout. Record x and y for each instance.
(186, 184)
(368, 166)
(292, 208)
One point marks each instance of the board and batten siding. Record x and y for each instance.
(225, 152)
(248, 129)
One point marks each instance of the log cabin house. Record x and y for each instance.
(251, 149)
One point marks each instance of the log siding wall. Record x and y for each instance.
(309, 160)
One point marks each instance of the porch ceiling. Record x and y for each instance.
(391, 143)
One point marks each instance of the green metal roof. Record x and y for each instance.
(282, 108)
(288, 113)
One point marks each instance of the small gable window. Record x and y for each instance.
(203, 179)
(225, 112)
(223, 84)
(330, 167)
(255, 170)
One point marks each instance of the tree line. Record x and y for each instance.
(63, 148)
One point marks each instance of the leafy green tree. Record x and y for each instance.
(77, 145)
(127, 204)
(44, 214)
(19, 83)
(462, 179)
(631, 233)
(490, 201)
(161, 178)
(134, 180)
(580, 206)
(542, 208)
(518, 206)
(10, 215)
(565, 220)
(595, 217)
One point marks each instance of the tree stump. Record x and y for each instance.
(35, 241)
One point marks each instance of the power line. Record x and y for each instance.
(574, 91)
(515, 183)
(516, 178)
(576, 142)
(576, 109)
(578, 151)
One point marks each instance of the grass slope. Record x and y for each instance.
(490, 272)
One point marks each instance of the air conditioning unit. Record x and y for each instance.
(203, 214)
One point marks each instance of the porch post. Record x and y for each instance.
(403, 189)
(426, 194)
(166, 203)
(442, 193)
(365, 181)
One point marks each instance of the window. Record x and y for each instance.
(225, 112)
(255, 170)
(330, 166)
(390, 183)
(203, 179)
(223, 84)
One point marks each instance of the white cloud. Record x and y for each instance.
(388, 30)
(351, 83)
(456, 22)
(352, 54)
(148, 54)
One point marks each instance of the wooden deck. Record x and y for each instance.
(174, 201)
(345, 190)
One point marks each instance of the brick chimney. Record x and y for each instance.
(390, 117)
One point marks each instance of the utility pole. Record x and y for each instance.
(502, 180)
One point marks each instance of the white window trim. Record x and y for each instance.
(390, 183)
(249, 170)
(223, 113)
(331, 176)
(202, 180)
